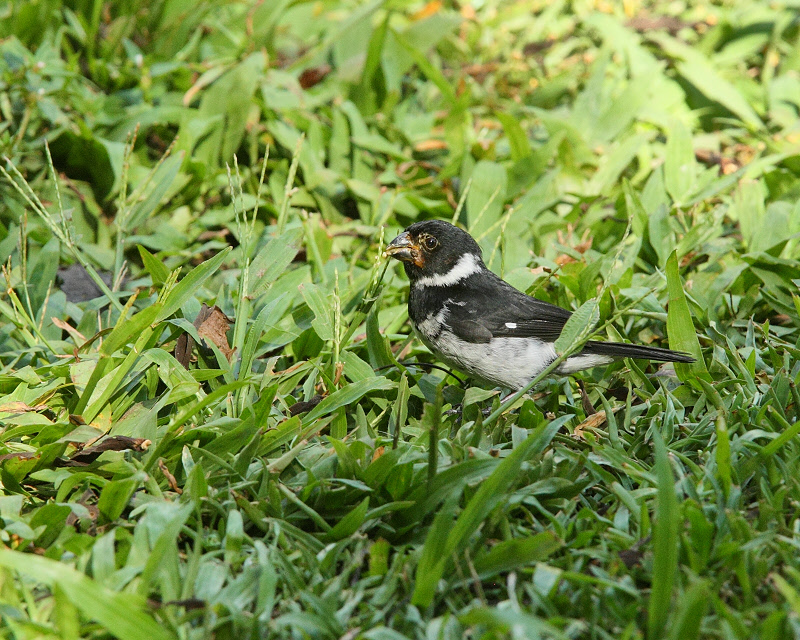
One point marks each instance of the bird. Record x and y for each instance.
(475, 322)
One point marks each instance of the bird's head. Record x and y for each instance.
(437, 252)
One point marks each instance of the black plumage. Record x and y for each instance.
(478, 323)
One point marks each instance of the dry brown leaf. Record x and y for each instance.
(428, 10)
(305, 405)
(17, 406)
(430, 145)
(592, 422)
(85, 456)
(22, 455)
(183, 349)
(76, 335)
(468, 12)
(313, 75)
(214, 328)
(173, 484)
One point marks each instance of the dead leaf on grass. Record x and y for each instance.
(214, 328)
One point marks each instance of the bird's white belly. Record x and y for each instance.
(507, 362)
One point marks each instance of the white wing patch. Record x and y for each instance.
(511, 325)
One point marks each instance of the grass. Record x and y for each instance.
(282, 462)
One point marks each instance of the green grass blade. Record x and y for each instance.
(188, 286)
(665, 543)
(121, 614)
(491, 492)
(682, 336)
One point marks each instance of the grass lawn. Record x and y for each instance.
(214, 420)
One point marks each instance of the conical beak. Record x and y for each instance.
(404, 249)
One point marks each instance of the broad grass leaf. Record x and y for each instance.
(379, 144)
(691, 607)
(486, 197)
(680, 167)
(210, 400)
(247, 453)
(230, 97)
(271, 314)
(274, 439)
(170, 371)
(42, 272)
(662, 237)
(66, 614)
(380, 355)
(433, 73)
(617, 158)
(434, 554)
(379, 557)
(347, 463)
(347, 395)
(499, 622)
(52, 517)
(517, 138)
(400, 407)
(516, 553)
(621, 111)
(589, 103)
(749, 210)
(682, 336)
(121, 614)
(315, 173)
(234, 535)
(653, 220)
(491, 492)
(578, 326)
(380, 468)
(196, 486)
(355, 368)
(264, 18)
(451, 482)
(90, 379)
(348, 525)
(127, 329)
(190, 284)
(162, 180)
(339, 149)
(272, 259)
(695, 67)
(155, 267)
(665, 542)
(165, 529)
(722, 455)
(705, 78)
(784, 437)
(116, 495)
(322, 309)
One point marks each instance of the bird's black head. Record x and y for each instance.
(434, 248)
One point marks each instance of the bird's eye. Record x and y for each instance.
(430, 243)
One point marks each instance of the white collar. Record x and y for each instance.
(468, 264)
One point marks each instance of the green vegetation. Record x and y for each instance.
(646, 155)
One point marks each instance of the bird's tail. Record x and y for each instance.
(622, 350)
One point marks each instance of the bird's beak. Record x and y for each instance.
(404, 249)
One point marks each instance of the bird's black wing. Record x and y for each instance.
(494, 309)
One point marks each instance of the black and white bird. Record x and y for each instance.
(477, 323)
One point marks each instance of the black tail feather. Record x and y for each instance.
(622, 350)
